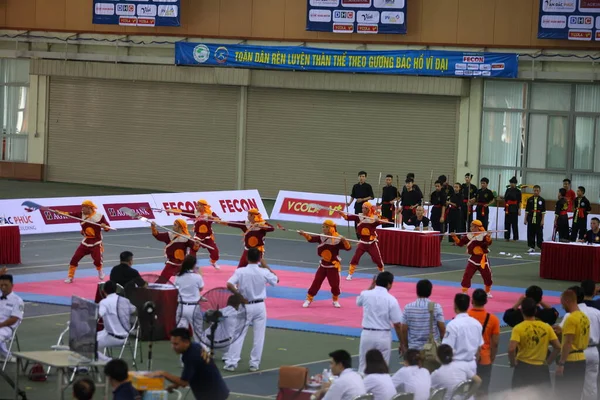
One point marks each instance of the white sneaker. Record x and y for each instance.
(349, 277)
(69, 280)
(214, 264)
(337, 304)
(229, 368)
(253, 369)
(306, 303)
(531, 250)
(489, 295)
(101, 275)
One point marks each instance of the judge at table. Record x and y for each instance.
(420, 218)
(593, 235)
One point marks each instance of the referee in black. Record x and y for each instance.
(361, 192)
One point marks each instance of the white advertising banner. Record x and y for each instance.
(296, 206)
(229, 205)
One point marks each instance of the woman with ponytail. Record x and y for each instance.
(413, 378)
(377, 376)
(451, 373)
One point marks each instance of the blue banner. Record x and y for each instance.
(146, 13)
(569, 20)
(356, 16)
(400, 62)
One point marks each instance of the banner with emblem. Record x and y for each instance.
(569, 20)
(137, 12)
(395, 62)
(356, 16)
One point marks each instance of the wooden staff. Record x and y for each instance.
(430, 190)
(398, 217)
(31, 206)
(498, 203)
(318, 234)
(346, 198)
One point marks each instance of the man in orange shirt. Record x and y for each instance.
(491, 336)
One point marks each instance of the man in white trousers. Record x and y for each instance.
(115, 312)
(381, 312)
(250, 283)
(11, 312)
(592, 359)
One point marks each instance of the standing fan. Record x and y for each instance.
(223, 319)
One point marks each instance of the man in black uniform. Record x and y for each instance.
(124, 273)
(593, 235)
(512, 210)
(438, 210)
(454, 217)
(389, 195)
(410, 200)
(418, 219)
(361, 192)
(484, 198)
(448, 191)
(561, 218)
(581, 209)
(415, 187)
(544, 313)
(535, 211)
(469, 191)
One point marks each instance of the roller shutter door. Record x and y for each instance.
(161, 136)
(305, 140)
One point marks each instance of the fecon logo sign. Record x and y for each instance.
(474, 59)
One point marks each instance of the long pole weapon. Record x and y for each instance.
(346, 198)
(498, 203)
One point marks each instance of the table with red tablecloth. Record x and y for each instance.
(410, 248)
(165, 300)
(570, 261)
(10, 244)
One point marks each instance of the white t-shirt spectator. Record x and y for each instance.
(449, 376)
(346, 387)
(380, 386)
(412, 379)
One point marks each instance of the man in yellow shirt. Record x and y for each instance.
(528, 349)
(570, 370)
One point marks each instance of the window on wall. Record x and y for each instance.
(542, 133)
(14, 89)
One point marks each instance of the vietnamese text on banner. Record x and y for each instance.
(395, 62)
(569, 20)
(137, 12)
(356, 16)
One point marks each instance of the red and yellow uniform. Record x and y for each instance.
(176, 248)
(330, 265)
(254, 234)
(367, 224)
(478, 248)
(203, 230)
(91, 230)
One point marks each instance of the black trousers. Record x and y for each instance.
(535, 235)
(436, 214)
(483, 218)
(387, 212)
(579, 229)
(511, 222)
(526, 375)
(485, 373)
(455, 222)
(406, 215)
(562, 227)
(570, 385)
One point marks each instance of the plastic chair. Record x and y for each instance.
(368, 396)
(134, 333)
(403, 396)
(11, 341)
(438, 394)
(463, 390)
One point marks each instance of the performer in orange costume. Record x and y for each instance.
(367, 223)
(92, 238)
(330, 265)
(255, 230)
(176, 248)
(203, 230)
(478, 243)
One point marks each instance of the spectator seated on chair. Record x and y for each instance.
(118, 376)
(11, 312)
(114, 310)
(84, 389)
(412, 377)
(124, 273)
(451, 373)
(377, 380)
(349, 383)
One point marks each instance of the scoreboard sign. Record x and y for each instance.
(146, 13)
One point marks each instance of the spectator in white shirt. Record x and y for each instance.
(451, 373)
(349, 383)
(250, 283)
(189, 284)
(377, 380)
(412, 377)
(381, 312)
(116, 312)
(463, 334)
(11, 311)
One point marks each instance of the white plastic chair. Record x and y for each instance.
(133, 334)
(368, 396)
(438, 394)
(403, 396)
(463, 390)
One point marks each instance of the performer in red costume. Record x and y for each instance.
(255, 230)
(203, 230)
(176, 248)
(330, 266)
(92, 238)
(478, 243)
(367, 223)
